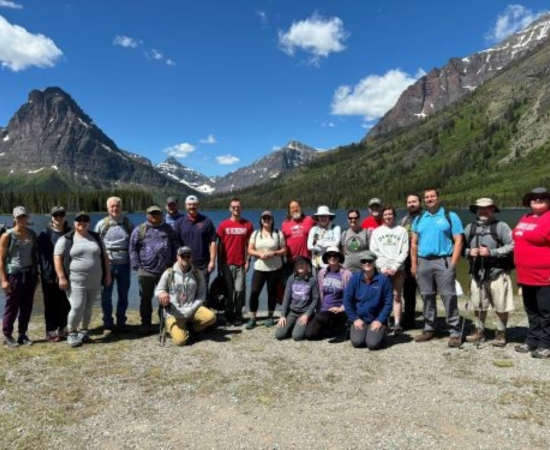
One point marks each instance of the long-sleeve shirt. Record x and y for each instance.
(391, 246)
(187, 291)
(152, 249)
(319, 239)
(368, 301)
(301, 295)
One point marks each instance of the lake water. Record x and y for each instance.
(510, 216)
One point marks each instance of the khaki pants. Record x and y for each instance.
(177, 328)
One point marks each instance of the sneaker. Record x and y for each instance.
(397, 330)
(454, 341)
(107, 334)
(52, 336)
(425, 336)
(500, 339)
(524, 348)
(269, 322)
(84, 337)
(73, 339)
(63, 333)
(541, 353)
(23, 339)
(251, 324)
(10, 342)
(477, 336)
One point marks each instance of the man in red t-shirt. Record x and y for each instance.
(374, 220)
(233, 262)
(295, 229)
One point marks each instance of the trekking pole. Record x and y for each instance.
(480, 288)
(162, 326)
(466, 306)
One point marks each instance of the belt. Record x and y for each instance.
(432, 257)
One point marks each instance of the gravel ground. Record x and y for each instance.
(243, 389)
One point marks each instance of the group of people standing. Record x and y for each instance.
(330, 282)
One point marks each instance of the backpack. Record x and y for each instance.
(277, 232)
(506, 263)
(171, 276)
(107, 223)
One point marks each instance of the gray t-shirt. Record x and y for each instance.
(353, 245)
(85, 270)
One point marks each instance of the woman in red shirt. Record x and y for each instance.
(532, 260)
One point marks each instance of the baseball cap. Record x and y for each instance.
(184, 250)
(191, 199)
(375, 201)
(171, 200)
(154, 208)
(58, 209)
(19, 211)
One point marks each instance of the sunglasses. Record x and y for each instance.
(58, 215)
(82, 220)
(267, 218)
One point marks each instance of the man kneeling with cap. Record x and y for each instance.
(368, 301)
(182, 291)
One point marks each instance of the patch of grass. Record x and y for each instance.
(503, 363)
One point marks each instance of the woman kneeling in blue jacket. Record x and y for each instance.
(368, 301)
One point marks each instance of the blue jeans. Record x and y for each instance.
(120, 274)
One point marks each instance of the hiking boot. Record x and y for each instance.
(270, 322)
(397, 330)
(23, 339)
(541, 353)
(524, 348)
(107, 334)
(477, 336)
(10, 342)
(52, 336)
(84, 337)
(454, 341)
(425, 336)
(251, 324)
(500, 339)
(238, 322)
(73, 339)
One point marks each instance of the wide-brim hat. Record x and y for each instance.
(484, 202)
(323, 211)
(538, 192)
(333, 251)
(368, 255)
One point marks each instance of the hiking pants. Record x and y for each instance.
(326, 324)
(292, 327)
(56, 306)
(147, 286)
(120, 273)
(19, 302)
(366, 337)
(177, 327)
(259, 278)
(536, 300)
(82, 300)
(235, 280)
(437, 275)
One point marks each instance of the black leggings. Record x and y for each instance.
(259, 278)
(326, 324)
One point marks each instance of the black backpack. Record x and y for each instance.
(506, 263)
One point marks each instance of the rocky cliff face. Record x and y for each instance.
(174, 169)
(444, 86)
(51, 132)
(277, 163)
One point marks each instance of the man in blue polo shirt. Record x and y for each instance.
(436, 247)
(198, 232)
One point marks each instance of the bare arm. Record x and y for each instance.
(414, 254)
(3, 254)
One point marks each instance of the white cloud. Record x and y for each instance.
(513, 19)
(328, 124)
(373, 96)
(11, 5)
(263, 18)
(180, 150)
(227, 160)
(170, 62)
(157, 55)
(126, 41)
(209, 140)
(20, 49)
(318, 36)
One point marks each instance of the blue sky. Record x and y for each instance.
(222, 83)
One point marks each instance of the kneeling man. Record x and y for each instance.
(182, 291)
